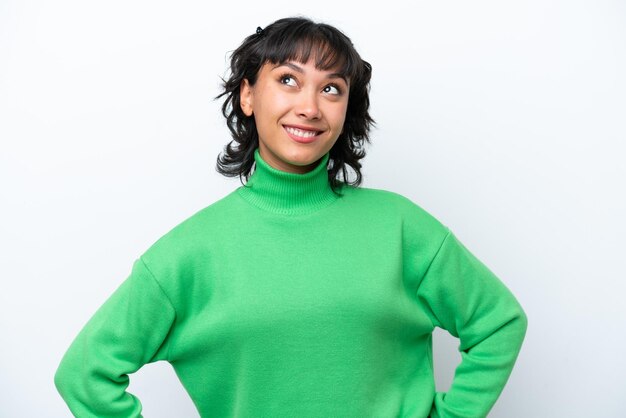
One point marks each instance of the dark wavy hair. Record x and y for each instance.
(297, 38)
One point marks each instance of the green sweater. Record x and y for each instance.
(283, 299)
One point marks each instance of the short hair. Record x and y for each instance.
(296, 38)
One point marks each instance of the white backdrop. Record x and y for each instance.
(505, 120)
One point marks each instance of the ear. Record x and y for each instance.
(246, 97)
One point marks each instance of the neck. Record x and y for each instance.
(283, 192)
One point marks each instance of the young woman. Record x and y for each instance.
(300, 294)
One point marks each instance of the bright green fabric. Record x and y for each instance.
(285, 300)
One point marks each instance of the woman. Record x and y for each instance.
(300, 294)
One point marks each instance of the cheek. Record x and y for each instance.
(279, 103)
(339, 114)
(273, 108)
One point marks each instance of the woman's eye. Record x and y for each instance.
(287, 79)
(332, 89)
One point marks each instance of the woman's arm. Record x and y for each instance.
(460, 294)
(128, 331)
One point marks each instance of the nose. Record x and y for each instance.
(307, 105)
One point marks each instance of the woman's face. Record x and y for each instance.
(299, 113)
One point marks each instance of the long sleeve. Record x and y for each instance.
(126, 332)
(461, 295)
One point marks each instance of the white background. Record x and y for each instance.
(505, 120)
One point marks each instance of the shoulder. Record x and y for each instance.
(190, 237)
(391, 203)
(374, 197)
(418, 227)
(422, 234)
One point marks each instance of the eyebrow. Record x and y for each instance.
(301, 70)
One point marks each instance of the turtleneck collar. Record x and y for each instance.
(288, 193)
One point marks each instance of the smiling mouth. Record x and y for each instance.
(302, 133)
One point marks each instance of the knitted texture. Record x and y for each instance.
(283, 299)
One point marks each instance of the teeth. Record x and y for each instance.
(300, 132)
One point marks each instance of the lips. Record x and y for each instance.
(302, 134)
(301, 131)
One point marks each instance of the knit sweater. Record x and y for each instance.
(284, 299)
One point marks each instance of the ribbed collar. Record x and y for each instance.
(288, 193)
